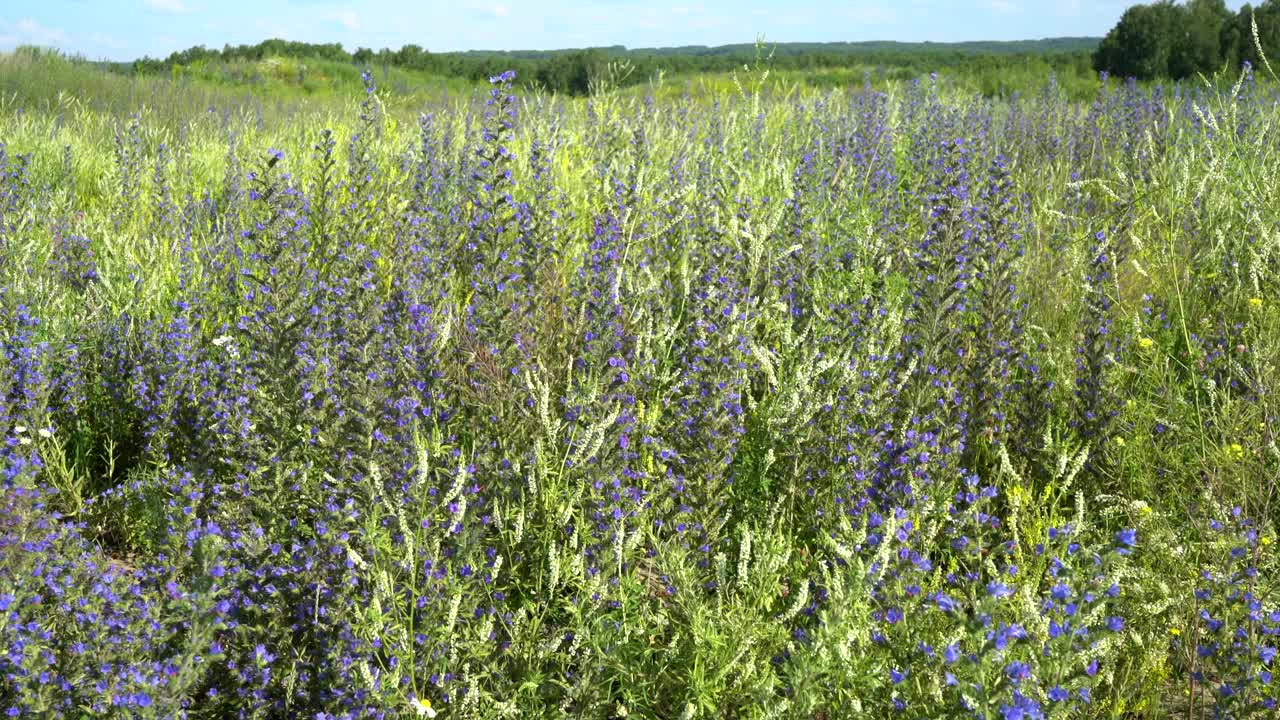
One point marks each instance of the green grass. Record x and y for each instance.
(1191, 278)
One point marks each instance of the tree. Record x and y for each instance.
(1197, 47)
(1238, 35)
(1170, 40)
(1140, 45)
(411, 56)
(571, 73)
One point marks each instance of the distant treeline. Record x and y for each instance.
(1178, 40)
(574, 71)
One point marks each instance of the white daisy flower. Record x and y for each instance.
(423, 707)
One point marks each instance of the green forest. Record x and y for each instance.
(1163, 40)
(794, 381)
(1167, 40)
(573, 71)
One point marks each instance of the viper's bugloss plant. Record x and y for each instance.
(1233, 636)
(780, 403)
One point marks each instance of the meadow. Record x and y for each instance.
(730, 399)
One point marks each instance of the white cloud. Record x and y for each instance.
(348, 19)
(1004, 6)
(107, 41)
(176, 7)
(1069, 8)
(484, 10)
(30, 32)
(869, 15)
(273, 30)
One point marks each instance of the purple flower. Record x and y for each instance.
(1017, 671)
(1022, 708)
(951, 653)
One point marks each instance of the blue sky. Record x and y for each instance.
(127, 29)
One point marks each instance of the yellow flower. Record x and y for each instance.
(1119, 441)
(1235, 451)
(1255, 303)
(423, 707)
(1146, 343)
(1175, 631)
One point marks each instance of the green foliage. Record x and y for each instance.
(573, 72)
(790, 611)
(1172, 40)
(1141, 44)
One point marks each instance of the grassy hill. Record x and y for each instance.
(576, 71)
(790, 49)
(34, 78)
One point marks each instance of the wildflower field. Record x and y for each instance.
(885, 402)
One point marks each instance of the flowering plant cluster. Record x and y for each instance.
(816, 405)
(1234, 634)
